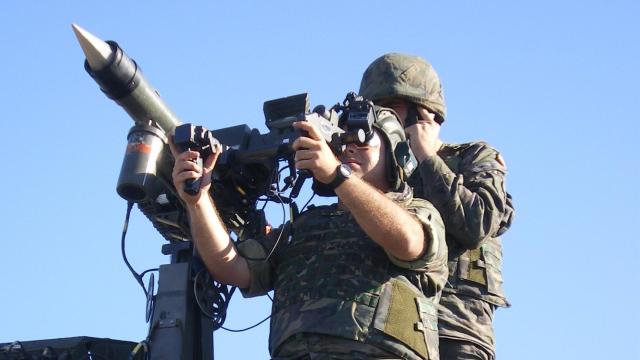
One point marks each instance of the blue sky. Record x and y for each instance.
(552, 85)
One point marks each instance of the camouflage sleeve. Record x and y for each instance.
(434, 259)
(473, 202)
(261, 268)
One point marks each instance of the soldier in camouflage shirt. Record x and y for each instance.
(466, 183)
(356, 280)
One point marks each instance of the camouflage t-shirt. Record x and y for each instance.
(330, 278)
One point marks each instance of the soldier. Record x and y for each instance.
(466, 183)
(356, 280)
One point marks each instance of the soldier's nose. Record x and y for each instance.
(351, 148)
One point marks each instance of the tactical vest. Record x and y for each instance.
(333, 279)
(476, 272)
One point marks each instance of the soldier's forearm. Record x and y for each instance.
(215, 246)
(387, 223)
(473, 211)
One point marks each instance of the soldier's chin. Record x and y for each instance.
(357, 171)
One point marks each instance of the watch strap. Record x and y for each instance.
(339, 179)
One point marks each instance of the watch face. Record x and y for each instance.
(345, 170)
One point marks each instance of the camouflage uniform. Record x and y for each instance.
(339, 295)
(466, 183)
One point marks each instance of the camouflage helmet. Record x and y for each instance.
(400, 161)
(404, 76)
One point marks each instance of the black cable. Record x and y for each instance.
(219, 302)
(273, 249)
(222, 299)
(142, 274)
(284, 216)
(307, 203)
(278, 179)
(137, 276)
(249, 328)
(266, 201)
(222, 294)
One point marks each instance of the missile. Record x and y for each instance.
(120, 78)
(146, 156)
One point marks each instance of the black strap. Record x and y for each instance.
(339, 179)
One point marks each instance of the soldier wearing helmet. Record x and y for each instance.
(466, 183)
(357, 279)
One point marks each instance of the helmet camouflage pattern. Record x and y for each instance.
(404, 76)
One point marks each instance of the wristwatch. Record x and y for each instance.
(343, 171)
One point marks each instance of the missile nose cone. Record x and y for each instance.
(95, 50)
